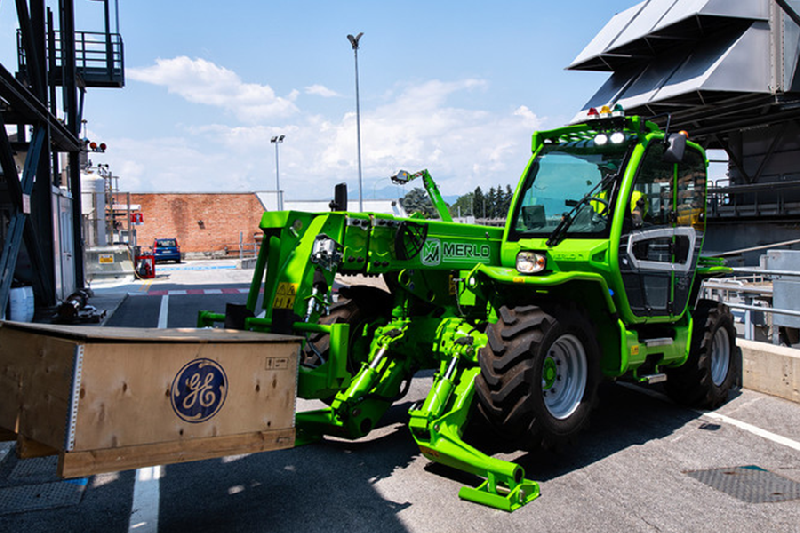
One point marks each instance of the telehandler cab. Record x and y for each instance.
(596, 275)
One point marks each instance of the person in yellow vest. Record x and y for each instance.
(638, 206)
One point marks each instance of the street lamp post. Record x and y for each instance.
(276, 140)
(354, 42)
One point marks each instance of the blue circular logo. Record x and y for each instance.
(199, 390)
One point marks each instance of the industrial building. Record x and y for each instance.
(40, 200)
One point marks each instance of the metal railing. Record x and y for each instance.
(778, 197)
(243, 250)
(99, 57)
(752, 294)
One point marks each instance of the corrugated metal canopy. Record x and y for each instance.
(714, 65)
(654, 26)
(724, 64)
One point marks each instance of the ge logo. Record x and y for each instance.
(199, 390)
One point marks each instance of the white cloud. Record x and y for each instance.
(321, 90)
(202, 82)
(461, 147)
(425, 125)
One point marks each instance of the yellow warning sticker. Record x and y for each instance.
(105, 258)
(635, 349)
(284, 298)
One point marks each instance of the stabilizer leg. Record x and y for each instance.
(438, 427)
(355, 411)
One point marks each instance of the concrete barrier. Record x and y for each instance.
(108, 261)
(771, 369)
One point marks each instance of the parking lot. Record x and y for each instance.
(645, 464)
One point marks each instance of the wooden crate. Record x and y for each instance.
(108, 399)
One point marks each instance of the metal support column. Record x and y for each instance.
(73, 125)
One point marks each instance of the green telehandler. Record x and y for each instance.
(595, 276)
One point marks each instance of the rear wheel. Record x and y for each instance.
(539, 375)
(316, 350)
(364, 309)
(710, 371)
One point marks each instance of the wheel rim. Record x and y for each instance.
(720, 356)
(564, 374)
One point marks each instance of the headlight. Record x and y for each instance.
(530, 262)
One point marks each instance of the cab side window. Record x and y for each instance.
(691, 190)
(650, 203)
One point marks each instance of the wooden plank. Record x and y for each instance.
(126, 396)
(31, 449)
(147, 335)
(82, 464)
(35, 385)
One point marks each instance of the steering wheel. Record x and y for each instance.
(602, 215)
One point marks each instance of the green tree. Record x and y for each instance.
(464, 203)
(417, 201)
(491, 203)
(509, 194)
(478, 203)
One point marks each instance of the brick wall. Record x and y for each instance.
(202, 222)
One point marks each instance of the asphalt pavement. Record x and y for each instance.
(645, 464)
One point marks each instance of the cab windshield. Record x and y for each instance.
(558, 183)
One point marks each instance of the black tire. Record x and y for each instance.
(360, 306)
(343, 312)
(711, 369)
(524, 361)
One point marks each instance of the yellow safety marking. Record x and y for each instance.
(284, 298)
(635, 349)
(146, 286)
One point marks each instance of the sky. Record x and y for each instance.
(454, 87)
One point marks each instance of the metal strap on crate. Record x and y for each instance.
(72, 417)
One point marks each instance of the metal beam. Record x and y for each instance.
(9, 167)
(8, 259)
(789, 11)
(73, 112)
(33, 111)
(16, 226)
(733, 157)
(33, 53)
(771, 150)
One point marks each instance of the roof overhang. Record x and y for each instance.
(652, 27)
(714, 65)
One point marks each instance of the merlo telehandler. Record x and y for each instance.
(596, 275)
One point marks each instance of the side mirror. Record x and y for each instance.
(400, 178)
(339, 202)
(676, 146)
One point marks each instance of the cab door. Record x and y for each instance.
(662, 233)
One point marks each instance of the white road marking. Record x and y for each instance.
(147, 488)
(750, 428)
(763, 433)
(163, 312)
(144, 511)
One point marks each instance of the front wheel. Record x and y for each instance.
(539, 375)
(711, 369)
